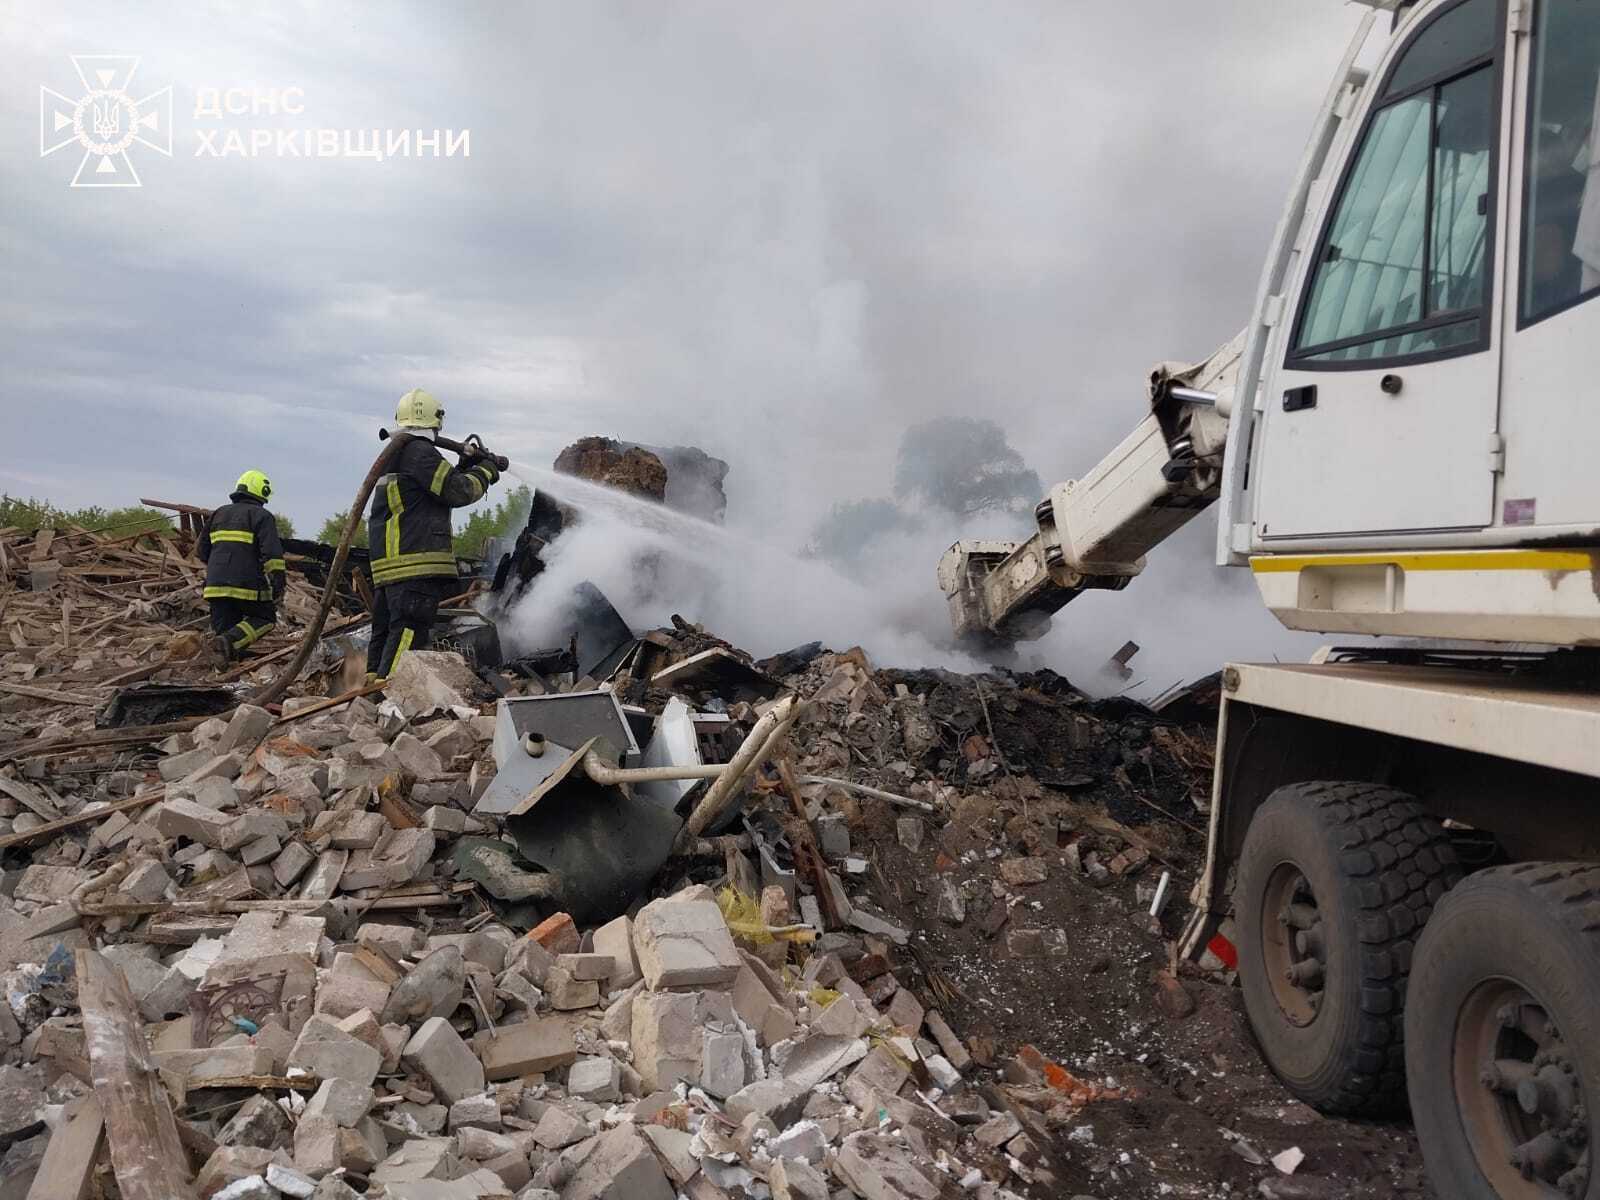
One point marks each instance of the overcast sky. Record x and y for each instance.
(781, 231)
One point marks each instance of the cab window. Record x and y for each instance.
(1402, 270)
(1561, 200)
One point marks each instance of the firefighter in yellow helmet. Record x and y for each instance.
(409, 534)
(245, 572)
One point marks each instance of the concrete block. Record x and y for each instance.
(598, 1079)
(289, 1182)
(343, 1101)
(531, 1048)
(722, 1064)
(796, 1179)
(217, 793)
(481, 1111)
(147, 883)
(177, 766)
(419, 760)
(438, 1052)
(667, 1038)
(178, 817)
(291, 863)
(684, 943)
(776, 1098)
(259, 1122)
(620, 1167)
(905, 1011)
(585, 967)
(325, 1050)
(323, 879)
(247, 726)
(615, 940)
(419, 1159)
(264, 849)
(444, 821)
(878, 1168)
(344, 993)
(559, 1128)
(219, 766)
(567, 994)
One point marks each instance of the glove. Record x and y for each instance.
(280, 584)
(489, 470)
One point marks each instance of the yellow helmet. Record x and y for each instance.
(256, 484)
(419, 410)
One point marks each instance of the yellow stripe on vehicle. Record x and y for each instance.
(243, 536)
(440, 474)
(1438, 560)
(391, 532)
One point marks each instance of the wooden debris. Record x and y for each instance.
(145, 1148)
(69, 1159)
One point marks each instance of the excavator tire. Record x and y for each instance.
(1335, 882)
(1503, 1034)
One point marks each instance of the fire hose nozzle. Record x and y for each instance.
(471, 444)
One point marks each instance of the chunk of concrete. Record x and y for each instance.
(684, 943)
(722, 1064)
(620, 1167)
(326, 1051)
(614, 939)
(796, 1179)
(598, 1079)
(878, 1168)
(558, 1128)
(259, 1122)
(533, 1047)
(247, 726)
(667, 1038)
(291, 863)
(343, 1101)
(438, 1052)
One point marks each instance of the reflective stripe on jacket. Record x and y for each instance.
(408, 531)
(242, 553)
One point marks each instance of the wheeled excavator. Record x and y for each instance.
(1403, 859)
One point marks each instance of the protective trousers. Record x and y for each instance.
(242, 621)
(402, 619)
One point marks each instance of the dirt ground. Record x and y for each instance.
(1201, 1109)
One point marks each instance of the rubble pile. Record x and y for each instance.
(887, 934)
(86, 614)
(329, 1008)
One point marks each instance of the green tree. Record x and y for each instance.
(482, 524)
(32, 515)
(333, 529)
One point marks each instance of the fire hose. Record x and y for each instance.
(471, 446)
(280, 683)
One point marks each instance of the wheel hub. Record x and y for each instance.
(1295, 948)
(1528, 1112)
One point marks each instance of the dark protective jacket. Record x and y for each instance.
(242, 553)
(408, 532)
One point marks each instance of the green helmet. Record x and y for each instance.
(419, 410)
(254, 483)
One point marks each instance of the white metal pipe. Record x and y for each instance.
(763, 738)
